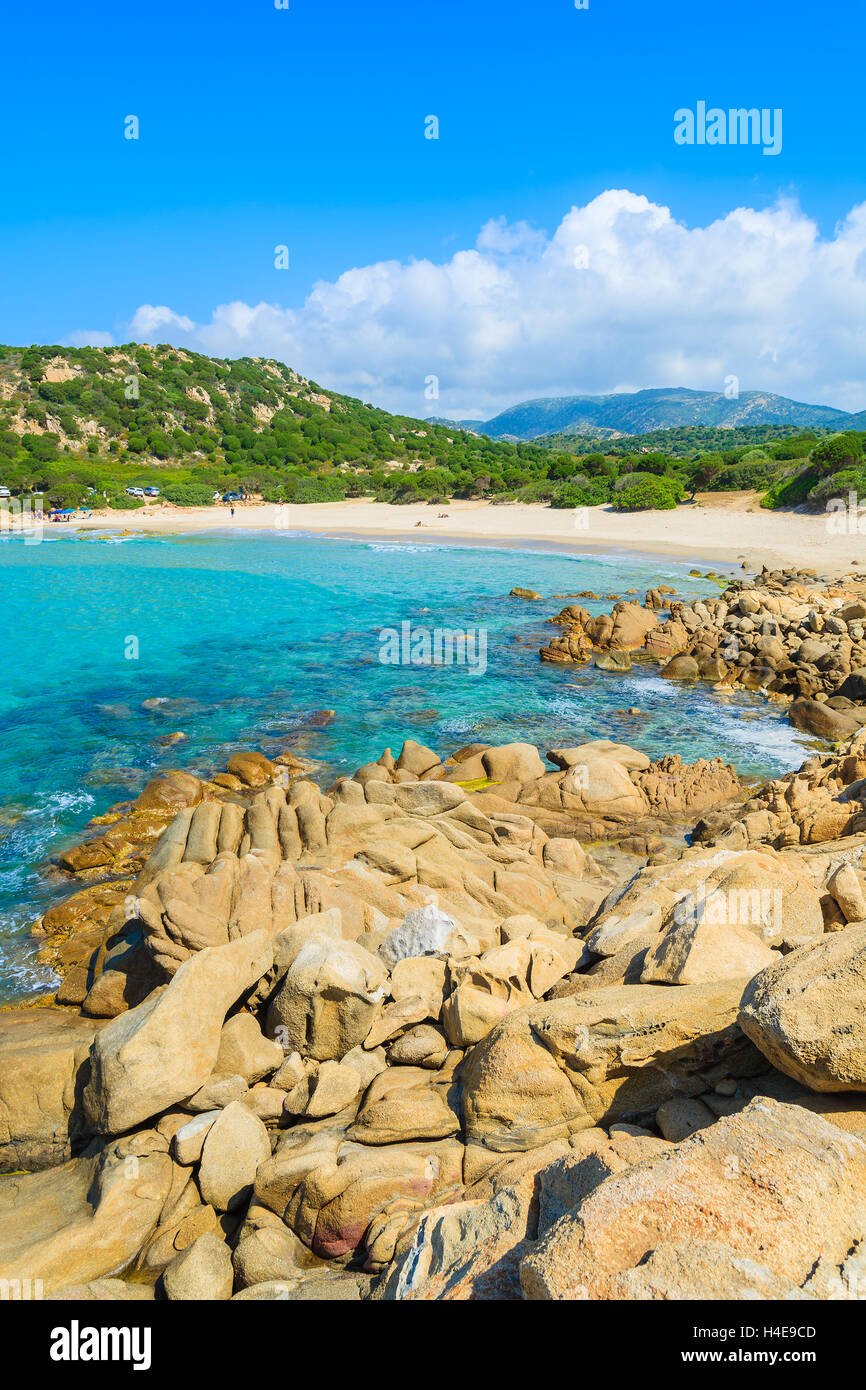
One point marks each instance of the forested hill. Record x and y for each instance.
(72, 418)
(80, 426)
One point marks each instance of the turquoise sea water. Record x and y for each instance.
(246, 636)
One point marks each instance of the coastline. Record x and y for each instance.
(129, 737)
(721, 528)
(262, 982)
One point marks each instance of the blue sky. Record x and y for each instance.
(305, 127)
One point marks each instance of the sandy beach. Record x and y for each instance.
(721, 528)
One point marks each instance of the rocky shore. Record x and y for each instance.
(792, 636)
(503, 1026)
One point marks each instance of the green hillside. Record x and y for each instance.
(80, 425)
(106, 418)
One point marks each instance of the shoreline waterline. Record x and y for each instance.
(726, 533)
(243, 639)
(528, 546)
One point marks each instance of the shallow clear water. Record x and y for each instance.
(247, 635)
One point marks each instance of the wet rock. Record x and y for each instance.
(253, 769)
(613, 661)
(683, 668)
(814, 717)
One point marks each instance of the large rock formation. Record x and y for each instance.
(822, 801)
(44, 1066)
(784, 634)
(164, 1050)
(415, 1025)
(806, 1012)
(760, 1199)
(88, 1218)
(601, 1056)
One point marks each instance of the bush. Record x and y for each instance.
(757, 475)
(542, 491)
(651, 463)
(42, 447)
(188, 494)
(628, 480)
(122, 503)
(598, 465)
(792, 448)
(838, 452)
(792, 489)
(66, 495)
(839, 485)
(645, 492)
(707, 473)
(581, 491)
(309, 490)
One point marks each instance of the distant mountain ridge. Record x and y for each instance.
(641, 412)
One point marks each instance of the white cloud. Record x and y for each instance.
(152, 319)
(90, 337)
(621, 296)
(500, 235)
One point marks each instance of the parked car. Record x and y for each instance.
(151, 492)
(135, 492)
(4, 492)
